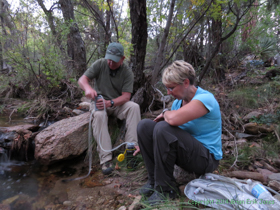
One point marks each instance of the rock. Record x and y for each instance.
(85, 105)
(67, 203)
(62, 140)
(251, 128)
(77, 112)
(181, 176)
(274, 176)
(251, 115)
(254, 128)
(275, 185)
(122, 208)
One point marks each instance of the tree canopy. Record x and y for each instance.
(46, 45)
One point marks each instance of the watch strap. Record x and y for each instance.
(112, 103)
(165, 110)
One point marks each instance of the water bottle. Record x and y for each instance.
(261, 193)
(130, 159)
(96, 99)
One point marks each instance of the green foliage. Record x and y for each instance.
(270, 146)
(24, 108)
(2, 108)
(269, 118)
(254, 97)
(245, 154)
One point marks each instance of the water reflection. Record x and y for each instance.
(16, 178)
(15, 119)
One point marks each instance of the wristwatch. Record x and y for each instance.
(165, 111)
(112, 103)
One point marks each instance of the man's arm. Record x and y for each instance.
(125, 97)
(84, 84)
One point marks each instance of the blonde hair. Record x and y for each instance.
(177, 72)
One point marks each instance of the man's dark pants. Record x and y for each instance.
(162, 146)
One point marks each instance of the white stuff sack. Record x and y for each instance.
(221, 192)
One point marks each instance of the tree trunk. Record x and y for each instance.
(75, 44)
(139, 32)
(160, 53)
(50, 19)
(1, 35)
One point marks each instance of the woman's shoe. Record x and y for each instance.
(159, 197)
(147, 189)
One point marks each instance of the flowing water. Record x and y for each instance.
(16, 177)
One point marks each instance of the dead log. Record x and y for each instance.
(269, 167)
(246, 175)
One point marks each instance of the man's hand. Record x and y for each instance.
(90, 93)
(137, 150)
(159, 118)
(100, 104)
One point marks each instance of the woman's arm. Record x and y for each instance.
(193, 110)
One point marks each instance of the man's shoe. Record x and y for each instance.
(107, 168)
(147, 189)
(157, 197)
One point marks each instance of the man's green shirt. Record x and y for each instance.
(110, 87)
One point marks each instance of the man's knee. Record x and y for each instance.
(99, 115)
(133, 106)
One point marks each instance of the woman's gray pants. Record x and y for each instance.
(162, 146)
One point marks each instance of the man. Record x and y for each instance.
(114, 81)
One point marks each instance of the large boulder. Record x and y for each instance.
(62, 140)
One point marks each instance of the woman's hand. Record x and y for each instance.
(137, 150)
(159, 118)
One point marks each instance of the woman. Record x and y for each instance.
(189, 135)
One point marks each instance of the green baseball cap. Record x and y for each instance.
(114, 52)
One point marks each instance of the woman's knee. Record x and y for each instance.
(161, 126)
(143, 125)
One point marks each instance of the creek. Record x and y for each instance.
(27, 185)
(16, 177)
